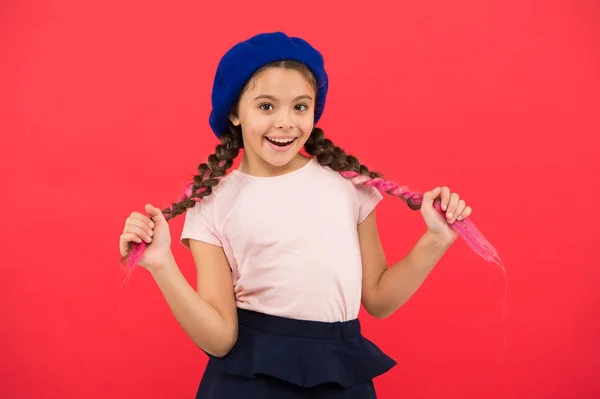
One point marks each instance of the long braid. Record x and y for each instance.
(334, 157)
(209, 175)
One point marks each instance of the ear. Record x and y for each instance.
(234, 119)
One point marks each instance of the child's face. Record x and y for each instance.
(278, 105)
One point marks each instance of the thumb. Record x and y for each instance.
(430, 196)
(155, 214)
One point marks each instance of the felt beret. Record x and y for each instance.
(240, 62)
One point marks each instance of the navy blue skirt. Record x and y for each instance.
(277, 357)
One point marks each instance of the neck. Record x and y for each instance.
(256, 166)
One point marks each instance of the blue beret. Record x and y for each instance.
(239, 64)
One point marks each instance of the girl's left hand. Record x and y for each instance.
(455, 208)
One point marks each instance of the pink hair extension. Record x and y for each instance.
(137, 249)
(465, 228)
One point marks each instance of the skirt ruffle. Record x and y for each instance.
(303, 353)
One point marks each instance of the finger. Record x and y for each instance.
(460, 207)
(143, 218)
(445, 197)
(139, 232)
(465, 213)
(430, 196)
(140, 224)
(130, 237)
(125, 241)
(155, 214)
(452, 204)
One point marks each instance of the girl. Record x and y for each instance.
(286, 246)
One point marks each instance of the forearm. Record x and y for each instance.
(199, 319)
(400, 281)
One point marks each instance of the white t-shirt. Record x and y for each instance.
(291, 240)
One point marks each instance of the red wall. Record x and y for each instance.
(104, 107)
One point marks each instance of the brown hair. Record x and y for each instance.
(326, 153)
(317, 145)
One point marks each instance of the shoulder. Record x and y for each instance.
(202, 221)
(225, 189)
(220, 198)
(359, 189)
(364, 198)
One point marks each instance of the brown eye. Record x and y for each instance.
(299, 107)
(263, 107)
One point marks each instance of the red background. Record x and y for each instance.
(104, 108)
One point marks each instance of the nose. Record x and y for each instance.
(284, 122)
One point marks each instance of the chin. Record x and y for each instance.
(279, 160)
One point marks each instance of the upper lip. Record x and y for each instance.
(281, 137)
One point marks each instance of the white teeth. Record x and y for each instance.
(281, 141)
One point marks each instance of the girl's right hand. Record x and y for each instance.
(154, 231)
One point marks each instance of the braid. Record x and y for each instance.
(209, 175)
(328, 155)
(334, 157)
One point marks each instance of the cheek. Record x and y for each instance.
(306, 125)
(256, 129)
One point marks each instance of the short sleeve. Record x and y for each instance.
(199, 225)
(368, 198)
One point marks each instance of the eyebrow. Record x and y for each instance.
(269, 97)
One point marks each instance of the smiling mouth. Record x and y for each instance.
(281, 142)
